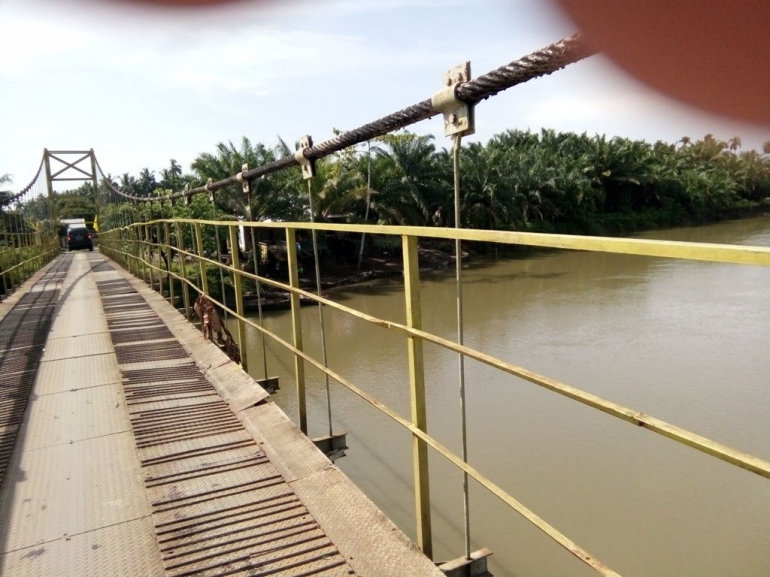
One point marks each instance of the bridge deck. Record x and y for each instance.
(143, 449)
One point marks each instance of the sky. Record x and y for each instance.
(142, 86)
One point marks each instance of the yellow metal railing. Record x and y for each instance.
(179, 253)
(21, 254)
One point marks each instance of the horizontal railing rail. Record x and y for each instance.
(22, 255)
(171, 252)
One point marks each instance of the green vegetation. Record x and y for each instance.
(559, 182)
(546, 182)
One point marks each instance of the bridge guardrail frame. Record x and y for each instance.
(140, 249)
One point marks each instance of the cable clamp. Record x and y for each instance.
(242, 179)
(307, 164)
(459, 117)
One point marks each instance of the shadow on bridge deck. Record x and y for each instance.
(144, 450)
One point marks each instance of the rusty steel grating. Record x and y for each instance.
(120, 336)
(23, 333)
(220, 507)
(157, 351)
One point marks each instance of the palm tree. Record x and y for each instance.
(171, 176)
(484, 203)
(734, 143)
(146, 182)
(410, 180)
(276, 196)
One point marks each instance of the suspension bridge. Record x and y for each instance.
(133, 443)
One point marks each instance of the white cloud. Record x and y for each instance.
(141, 86)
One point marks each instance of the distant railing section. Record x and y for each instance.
(179, 256)
(21, 254)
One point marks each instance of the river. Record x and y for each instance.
(686, 342)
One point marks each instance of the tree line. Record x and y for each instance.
(518, 180)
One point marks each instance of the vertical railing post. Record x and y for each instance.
(135, 250)
(51, 197)
(296, 325)
(170, 255)
(160, 243)
(199, 250)
(129, 240)
(148, 245)
(95, 184)
(139, 252)
(417, 395)
(236, 263)
(183, 269)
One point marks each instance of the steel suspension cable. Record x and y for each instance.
(537, 64)
(457, 144)
(8, 200)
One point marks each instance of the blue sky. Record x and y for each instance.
(144, 86)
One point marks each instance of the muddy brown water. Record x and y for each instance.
(686, 342)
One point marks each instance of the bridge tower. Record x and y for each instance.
(74, 165)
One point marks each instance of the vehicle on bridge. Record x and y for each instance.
(79, 236)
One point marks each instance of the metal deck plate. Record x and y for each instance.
(73, 501)
(227, 505)
(76, 415)
(74, 374)
(111, 551)
(72, 488)
(219, 505)
(80, 346)
(23, 332)
(229, 488)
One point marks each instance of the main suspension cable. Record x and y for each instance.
(9, 199)
(539, 63)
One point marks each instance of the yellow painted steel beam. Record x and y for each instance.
(170, 254)
(722, 452)
(496, 490)
(417, 396)
(159, 249)
(199, 248)
(296, 327)
(641, 247)
(237, 286)
(415, 334)
(183, 268)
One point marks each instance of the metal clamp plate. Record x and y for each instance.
(242, 179)
(307, 165)
(459, 117)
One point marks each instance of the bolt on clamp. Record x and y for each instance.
(459, 117)
(307, 164)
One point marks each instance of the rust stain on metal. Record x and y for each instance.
(212, 326)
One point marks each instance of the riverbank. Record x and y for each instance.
(334, 274)
(437, 254)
